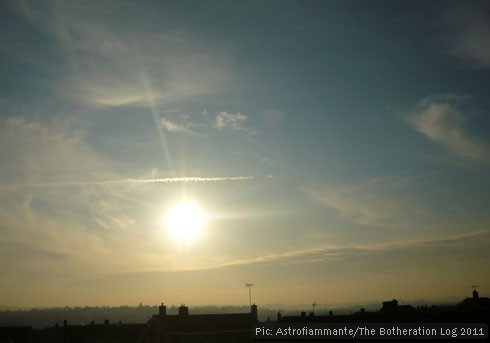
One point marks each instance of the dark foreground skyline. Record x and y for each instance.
(188, 325)
(41, 318)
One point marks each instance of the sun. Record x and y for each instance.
(185, 221)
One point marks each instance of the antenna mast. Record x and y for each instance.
(249, 285)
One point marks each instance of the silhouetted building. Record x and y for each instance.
(186, 327)
(183, 310)
(121, 333)
(21, 334)
(475, 303)
(392, 307)
(162, 310)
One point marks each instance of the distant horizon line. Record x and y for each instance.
(270, 306)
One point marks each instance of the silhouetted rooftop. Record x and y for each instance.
(167, 328)
(206, 322)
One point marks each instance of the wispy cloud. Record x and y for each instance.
(107, 64)
(177, 121)
(235, 121)
(52, 150)
(467, 32)
(39, 155)
(325, 253)
(440, 119)
(378, 202)
(172, 126)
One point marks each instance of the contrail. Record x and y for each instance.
(191, 179)
(126, 181)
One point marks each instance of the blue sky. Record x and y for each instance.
(339, 150)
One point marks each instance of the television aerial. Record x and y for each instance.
(249, 285)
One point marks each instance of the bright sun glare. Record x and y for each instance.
(185, 221)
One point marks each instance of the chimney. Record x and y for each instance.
(475, 294)
(162, 310)
(183, 310)
(253, 311)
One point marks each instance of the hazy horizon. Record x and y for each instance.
(265, 309)
(286, 307)
(325, 151)
(48, 317)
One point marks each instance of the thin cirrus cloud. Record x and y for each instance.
(107, 65)
(469, 33)
(38, 159)
(466, 240)
(321, 254)
(440, 119)
(32, 149)
(375, 202)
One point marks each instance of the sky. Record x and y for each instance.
(339, 151)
